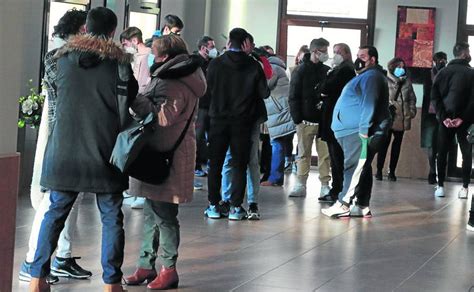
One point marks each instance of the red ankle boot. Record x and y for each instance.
(140, 276)
(167, 279)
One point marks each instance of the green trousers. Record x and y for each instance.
(160, 229)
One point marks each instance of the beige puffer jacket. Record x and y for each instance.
(405, 103)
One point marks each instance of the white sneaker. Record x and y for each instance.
(337, 210)
(325, 189)
(463, 192)
(357, 211)
(470, 226)
(138, 203)
(298, 191)
(439, 192)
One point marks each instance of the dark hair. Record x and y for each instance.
(170, 45)
(372, 51)
(171, 21)
(237, 36)
(459, 48)
(318, 43)
(440, 56)
(70, 23)
(250, 37)
(267, 47)
(101, 21)
(392, 64)
(132, 32)
(202, 42)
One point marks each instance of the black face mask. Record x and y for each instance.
(359, 64)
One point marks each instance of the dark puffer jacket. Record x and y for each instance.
(453, 92)
(305, 88)
(93, 75)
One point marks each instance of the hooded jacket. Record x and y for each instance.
(305, 89)
(405, 102)
(93, 76)
(452, 93)
(279, 119)
(237, 87)
(172, 95)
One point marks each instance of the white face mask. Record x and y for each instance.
(323, 57)
(213, 53)
(131, 50)
(337, 60)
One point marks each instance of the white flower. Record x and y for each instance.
(27, 107)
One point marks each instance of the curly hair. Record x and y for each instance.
(70, 23)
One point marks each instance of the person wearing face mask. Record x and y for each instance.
(305, 108)
(132, 42)
(429, 124)
(403, 100)
(361, 112)
(341, 72)
(452, 96)
(206, 52)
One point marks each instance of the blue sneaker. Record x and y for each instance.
(212, 212)
(237, 213)
(199, 173)
(25, 274)
(197, 186)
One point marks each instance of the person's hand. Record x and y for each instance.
(456, 122)
(448, 123)
(246, 46)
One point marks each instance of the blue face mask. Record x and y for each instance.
(399, 72)
(151, 60)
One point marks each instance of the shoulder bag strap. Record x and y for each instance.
(181, 137)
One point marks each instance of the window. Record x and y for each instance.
(349, 21)
(470, 12)
(329, 8)
(144, 15)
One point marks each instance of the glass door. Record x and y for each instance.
(144, 14)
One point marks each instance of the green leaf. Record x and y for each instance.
(21, 124)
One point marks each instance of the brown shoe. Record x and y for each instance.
(268, 183)
(113, 288)
(141, 275)
(167, 279)
(39, 285)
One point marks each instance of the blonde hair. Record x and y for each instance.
(170, 45)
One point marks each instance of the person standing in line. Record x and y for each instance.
(64, 264)
(403, 99)
(132, 41)
(305, 108)
(206, 52)
(93, 76)
(341, 73)
(452, 96)
(237, 86)
(172, 95)
(361, 112)
(429, 124)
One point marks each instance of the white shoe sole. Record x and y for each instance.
(24, 277)
(65, 274)
(469, 227)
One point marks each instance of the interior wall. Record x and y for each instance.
(20, 43)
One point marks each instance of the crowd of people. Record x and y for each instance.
(219, 112)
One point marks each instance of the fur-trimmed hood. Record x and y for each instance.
(91, 50)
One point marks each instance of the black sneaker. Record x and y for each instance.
(252, 213)
(25, 274)
(470, 223)
(391, 176)
(67, 267)
(378, 175)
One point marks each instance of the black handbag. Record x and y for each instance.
(133, 155)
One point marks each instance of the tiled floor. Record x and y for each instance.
(414, 242)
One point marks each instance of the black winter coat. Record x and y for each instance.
(331, 89)
(237, 86)
(305, 89)
(453, 92)
(93, 76)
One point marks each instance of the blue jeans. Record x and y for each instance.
(279, 146)
(113, 239)
(253, 171)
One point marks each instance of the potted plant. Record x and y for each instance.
(31, 107)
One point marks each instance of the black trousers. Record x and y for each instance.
(202, 127)
(337, 166)
(222, 135)
(265, 157)
(363, 190)
(447, 134)
(395, 153)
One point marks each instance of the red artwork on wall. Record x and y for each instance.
(415, 36)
